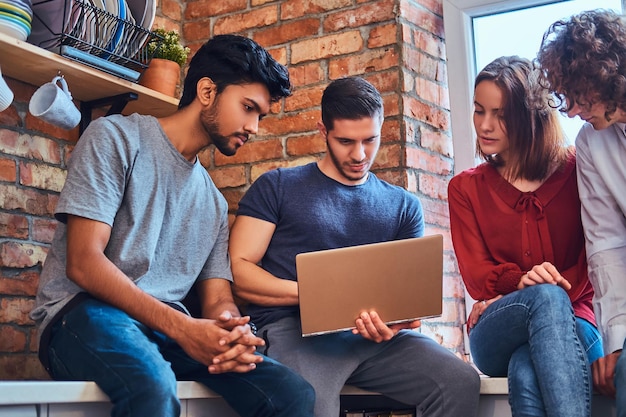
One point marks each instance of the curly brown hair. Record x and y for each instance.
(583, 60)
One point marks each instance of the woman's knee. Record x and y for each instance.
(547, 296)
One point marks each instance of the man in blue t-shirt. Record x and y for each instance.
(141, 222)
(334, 203)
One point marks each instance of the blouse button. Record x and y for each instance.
(527, 253)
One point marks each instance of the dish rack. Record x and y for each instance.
(100, 39)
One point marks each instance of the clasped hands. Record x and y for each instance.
(226, 344)
(372, 327)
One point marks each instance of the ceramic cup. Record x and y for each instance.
(6, 95)
(53, 103)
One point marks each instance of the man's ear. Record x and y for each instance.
(322, 128)
(206, 90)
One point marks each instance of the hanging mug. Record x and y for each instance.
(6, 95)
(52, 102)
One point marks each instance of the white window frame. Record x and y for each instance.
(457, 19)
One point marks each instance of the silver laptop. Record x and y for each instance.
(401, 280)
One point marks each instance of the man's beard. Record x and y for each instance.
(209, 121)
(339, 167)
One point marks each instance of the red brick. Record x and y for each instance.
(392, 104)
(379, 11)
(13, 226)
(385, 82)
(7, 170)
(436, 212)
(306, 145)
(171, 9)
(43, 230)
(232, 196)
(209, 8)
(234, 176)
(257, 150)
(24, 283)
(21, 255)
(429, 162)
(15, 310)
(9, 117)
(35, 124)
(197, 31)
(425, 113)
(287, 32)
(393, 176)
(422, 64)
(28, 201)
(31, 147)
(436, 141)
(430, 44)
(432, 92)
(279, 54)
(240, 22)
(304, 98)
(389, 156)
(422, 17)
(306, 74)
(383, 36)
(368, 61)
(304, 121)
(326, 46)
(44, 177)
(292, 9)
(12, 340)
(433, 186)
(21, 367)
(390, 131)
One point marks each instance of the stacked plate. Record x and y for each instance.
(16, 17)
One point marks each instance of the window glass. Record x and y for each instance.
(519, 32)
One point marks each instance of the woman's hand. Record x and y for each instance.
(477, 310)
(545, 273)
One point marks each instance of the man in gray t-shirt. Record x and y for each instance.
(140, 224)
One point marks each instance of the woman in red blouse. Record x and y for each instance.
(518, 238)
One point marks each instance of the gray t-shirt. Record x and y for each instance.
(169, 221)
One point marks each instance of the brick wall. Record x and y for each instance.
(395, 44)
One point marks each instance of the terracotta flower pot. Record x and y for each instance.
(162, 75)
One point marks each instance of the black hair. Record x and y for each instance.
(350, 98)
(234, 59)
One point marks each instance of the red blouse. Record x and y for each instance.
(499, 233)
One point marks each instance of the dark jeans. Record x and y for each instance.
(138, 368)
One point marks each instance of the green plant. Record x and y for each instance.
(167, 46)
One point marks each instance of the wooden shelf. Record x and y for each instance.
(34, 65)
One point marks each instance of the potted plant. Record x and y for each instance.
(168, 56)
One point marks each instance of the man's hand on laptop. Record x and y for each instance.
(372, 327)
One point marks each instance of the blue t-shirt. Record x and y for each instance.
(314, 212)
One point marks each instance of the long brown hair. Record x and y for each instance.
(536, 139)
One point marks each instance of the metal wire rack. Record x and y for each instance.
(98, 38)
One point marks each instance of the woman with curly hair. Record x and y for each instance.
(583, 59)
(518, 238)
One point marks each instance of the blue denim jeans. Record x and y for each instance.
(138, 368)
(620, 384)
(532, 337)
